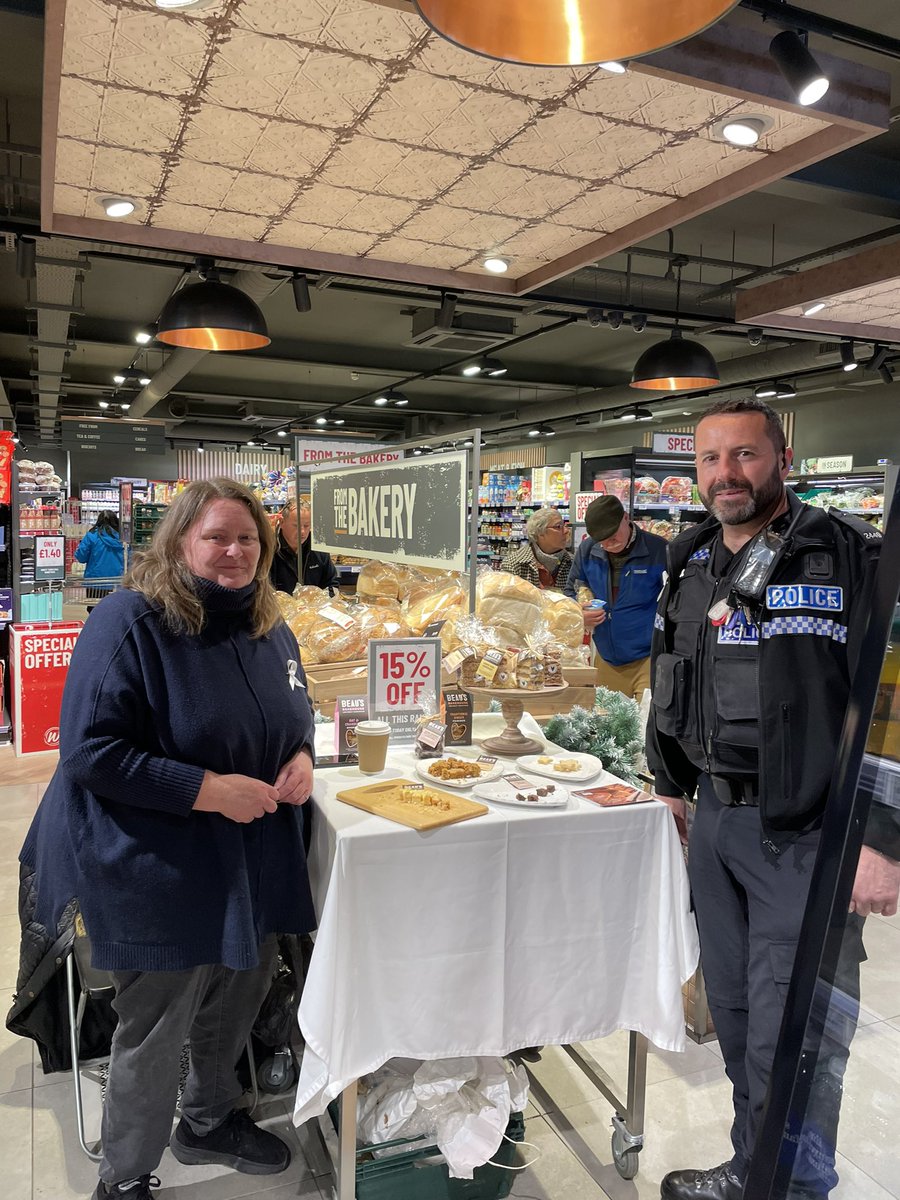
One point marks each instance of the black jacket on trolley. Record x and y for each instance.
(808, 642)
(318, 568)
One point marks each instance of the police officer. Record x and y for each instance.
(753, 654)
(623, 566)
(318, 568)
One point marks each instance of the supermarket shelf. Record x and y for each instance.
(669, 504)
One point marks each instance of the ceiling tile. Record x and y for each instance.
(406, 250)
(158, 52)
(294, 150)
(413, 106)
(263, 194)
(377, 214)
(608, 207)
(679, 107)
(617, 148)
(74, 162)
(300, 19)
(236, 225)
(198, 183)
(253, 72)
(689, 166)
(222, 135)
(298, 235)
(484, 234)
(437, 223)
(70, 200)
(619, 97)
(126, 172)
(512, 191)
(422, 174)
(369, 29)
(137, 121)
(80, 106)
(331, 89)
(185, 218)
(344, 241)
(546, 143)
(481, 123)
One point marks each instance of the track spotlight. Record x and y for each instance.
(803, 74)
(548, 431)
(26, 257)
(103, 404)
(614, 319)
(766, 391)
(643, 414)
(755, 336)
(249, 442)
(398, 399)
(885, 372)
(15, 438)
(848, 356)
(595, 317)
(200, 448)
(417, 451)
(631, 415)
(447, 311)
(300, 287)
(638, 322)
(534, 431)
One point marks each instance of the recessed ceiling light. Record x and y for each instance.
(810, 310)
(118, 206)
(103, 404)
(614, 68)
(742, 130)
(182, 5)
(496, 265)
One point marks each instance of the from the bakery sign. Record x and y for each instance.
(410, 512)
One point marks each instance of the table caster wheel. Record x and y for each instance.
(626, 1158)
(277, 1074)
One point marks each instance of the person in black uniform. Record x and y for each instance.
(753, 654)
(318, 569)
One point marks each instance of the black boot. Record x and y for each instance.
(128, 1189)
(720, 1183)
(236, 1143)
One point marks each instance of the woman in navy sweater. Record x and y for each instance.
(173, 820)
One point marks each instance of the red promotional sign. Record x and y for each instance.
(7, 447)
(39, 656)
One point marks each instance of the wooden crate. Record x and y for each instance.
(326, 681)
(580, 676)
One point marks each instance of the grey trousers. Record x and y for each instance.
(213, 1008)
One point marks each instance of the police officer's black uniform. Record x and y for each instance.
(747, 716)
(318, 568)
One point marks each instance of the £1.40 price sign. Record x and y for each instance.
(404, 682)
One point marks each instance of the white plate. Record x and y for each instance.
(588, 766)
(459, 785)
(504, 793)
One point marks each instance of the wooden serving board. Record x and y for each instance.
(383, 799)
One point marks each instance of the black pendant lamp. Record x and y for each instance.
(212, 315)
(676, 365)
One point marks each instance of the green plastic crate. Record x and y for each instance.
(407, 1175)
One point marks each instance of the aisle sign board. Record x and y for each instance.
(411, 511)
(833, 464)
(310, 452)
(50, 557)
(125, 436)
(582, 500)
(39, 657)
(673, 443)
(404, 675)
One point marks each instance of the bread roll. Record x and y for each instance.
(309, 595)
(329, 643)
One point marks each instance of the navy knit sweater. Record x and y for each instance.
(144, 713)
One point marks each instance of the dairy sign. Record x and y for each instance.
(409, 511)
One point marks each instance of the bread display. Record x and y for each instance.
(434, 607)
(510, 605)
(308, 595)
(328, 642)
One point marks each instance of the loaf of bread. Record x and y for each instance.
(564, 619)
(379, 579)
(436, 606)
(509, 605)
(327, 642)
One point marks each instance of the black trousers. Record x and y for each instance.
(749, 903)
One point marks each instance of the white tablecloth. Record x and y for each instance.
(518, 928)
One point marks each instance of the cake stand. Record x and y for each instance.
(512, 743)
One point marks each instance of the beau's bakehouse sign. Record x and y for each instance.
(411, 511)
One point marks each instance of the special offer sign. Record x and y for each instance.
(39, 658)
(404, 673)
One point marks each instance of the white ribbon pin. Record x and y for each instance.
(292, 674)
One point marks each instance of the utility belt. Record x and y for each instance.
(735, 793)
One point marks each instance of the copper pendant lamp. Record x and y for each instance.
(676, 365)
(561, 33)
(212, 315)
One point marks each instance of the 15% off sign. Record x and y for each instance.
(404, 682)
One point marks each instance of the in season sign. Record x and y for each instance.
(404, 681)
(410, 511)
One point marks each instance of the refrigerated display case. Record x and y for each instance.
(857, 492)
(659, 492)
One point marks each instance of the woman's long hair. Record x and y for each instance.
(162, 575)
(107, 522)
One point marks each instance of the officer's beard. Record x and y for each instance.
(759, 500)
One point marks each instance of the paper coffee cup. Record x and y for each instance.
(372, 739)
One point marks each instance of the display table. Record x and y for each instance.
(520, 928)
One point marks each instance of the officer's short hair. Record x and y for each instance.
(750, 404)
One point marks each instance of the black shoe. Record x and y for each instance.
(236, 1143)
(528, 1054)
(720, 1183)
(130, 1189)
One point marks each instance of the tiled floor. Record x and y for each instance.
(567, 1124)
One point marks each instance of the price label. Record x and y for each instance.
(50, 557)
(404, 680)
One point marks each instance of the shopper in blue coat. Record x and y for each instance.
(173, 822)
(622, 566)
(102, 553)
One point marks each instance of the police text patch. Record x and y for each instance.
(805, 595)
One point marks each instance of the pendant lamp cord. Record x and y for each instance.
(678, 296)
